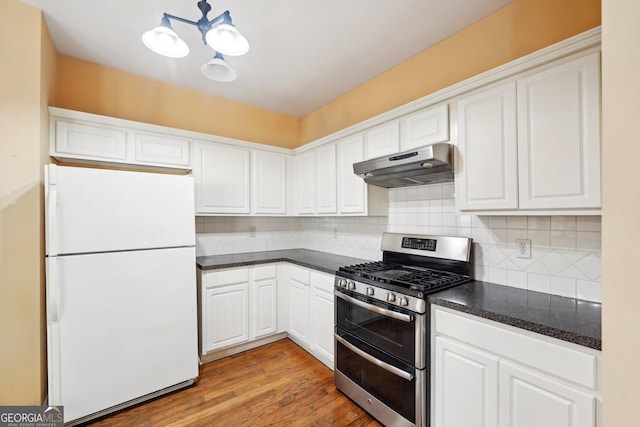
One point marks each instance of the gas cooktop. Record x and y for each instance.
(411, 277)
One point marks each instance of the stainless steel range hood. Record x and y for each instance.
(427, 165)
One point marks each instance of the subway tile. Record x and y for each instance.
(497, 235)
(435, 205)
(563, 239)
(540, 238)
(589, 290)
(517, 222)
(449, 219)
(435, 192)
(563, 223)
(435, 219)
(479, 235)
(538, 282)
(463, 220)
(412, 193)
(589, 223)
(498, 222)
(447, 191)
(563, 286)
(539, 223)
(589, 240)
(517, 279)
(513, 234)
(423, 192)
(448, 205)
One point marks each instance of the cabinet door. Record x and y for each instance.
(326, 200)
(322, 317)
(269, 187)
(528, 399)
(299, 311)
(487, 172)
(305, 177)
(227, 318)
(221, 174)
(559, 136)
(263, 311)
(352, 190)
(161, 150)
(425, 128)
(469, 377)
(90, 142)
(382, 140)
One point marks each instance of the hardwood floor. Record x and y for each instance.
(279, 384)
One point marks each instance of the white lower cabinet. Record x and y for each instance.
(242, 308)
(237, 306)
(299, 305)
(311, 311)
(321, 333)
(510, 378)
(465, 374)
(530, 399)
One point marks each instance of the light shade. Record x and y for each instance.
(218, 70)
(165, 41)
(225, 39)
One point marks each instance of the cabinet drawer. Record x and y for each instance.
(264, 272)
(555, 359)
(227, 277)
(299, 274)
(322, 281)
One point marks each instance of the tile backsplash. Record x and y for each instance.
(565, 256)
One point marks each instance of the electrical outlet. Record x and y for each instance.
(524, 248)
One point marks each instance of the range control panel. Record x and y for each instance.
(420, 244)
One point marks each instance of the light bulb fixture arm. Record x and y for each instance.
(203, 24)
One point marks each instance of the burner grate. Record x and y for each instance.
(417, 278)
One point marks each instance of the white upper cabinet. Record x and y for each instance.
(325, 182)
(382, 140)
(79, 137)
(161, 150)
(269, 186)
(352, 190)
(222, 181)
(426, 127)
(487, 166)
(559, 136)
(533, 143)
(306, 182)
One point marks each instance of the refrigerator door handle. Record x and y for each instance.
(51, 225)
(53, 291)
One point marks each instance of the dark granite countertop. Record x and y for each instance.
(321, 261)
(567, 319)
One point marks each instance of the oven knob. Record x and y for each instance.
(352, 286)
(403, 301)
(369, 292)
(342, 283)
(390, 297)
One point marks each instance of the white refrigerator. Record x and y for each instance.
(120, 288)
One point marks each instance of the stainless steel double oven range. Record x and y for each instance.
(382, 345)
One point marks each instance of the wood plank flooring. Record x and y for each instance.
(279, 384)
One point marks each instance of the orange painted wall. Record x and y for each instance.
(97, 89)
(514, 31)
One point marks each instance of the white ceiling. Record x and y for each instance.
(303, 53)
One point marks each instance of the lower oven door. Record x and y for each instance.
(393, 330)
(391, 390)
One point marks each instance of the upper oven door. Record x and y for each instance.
(395, 331)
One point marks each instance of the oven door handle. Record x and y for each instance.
(384, 365)
(375, 308)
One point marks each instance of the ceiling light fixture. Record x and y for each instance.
(219, 33)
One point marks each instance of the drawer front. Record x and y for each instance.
(227, 277)
(299, 274)
(264, 272)
(322, 281)
(555, 359)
